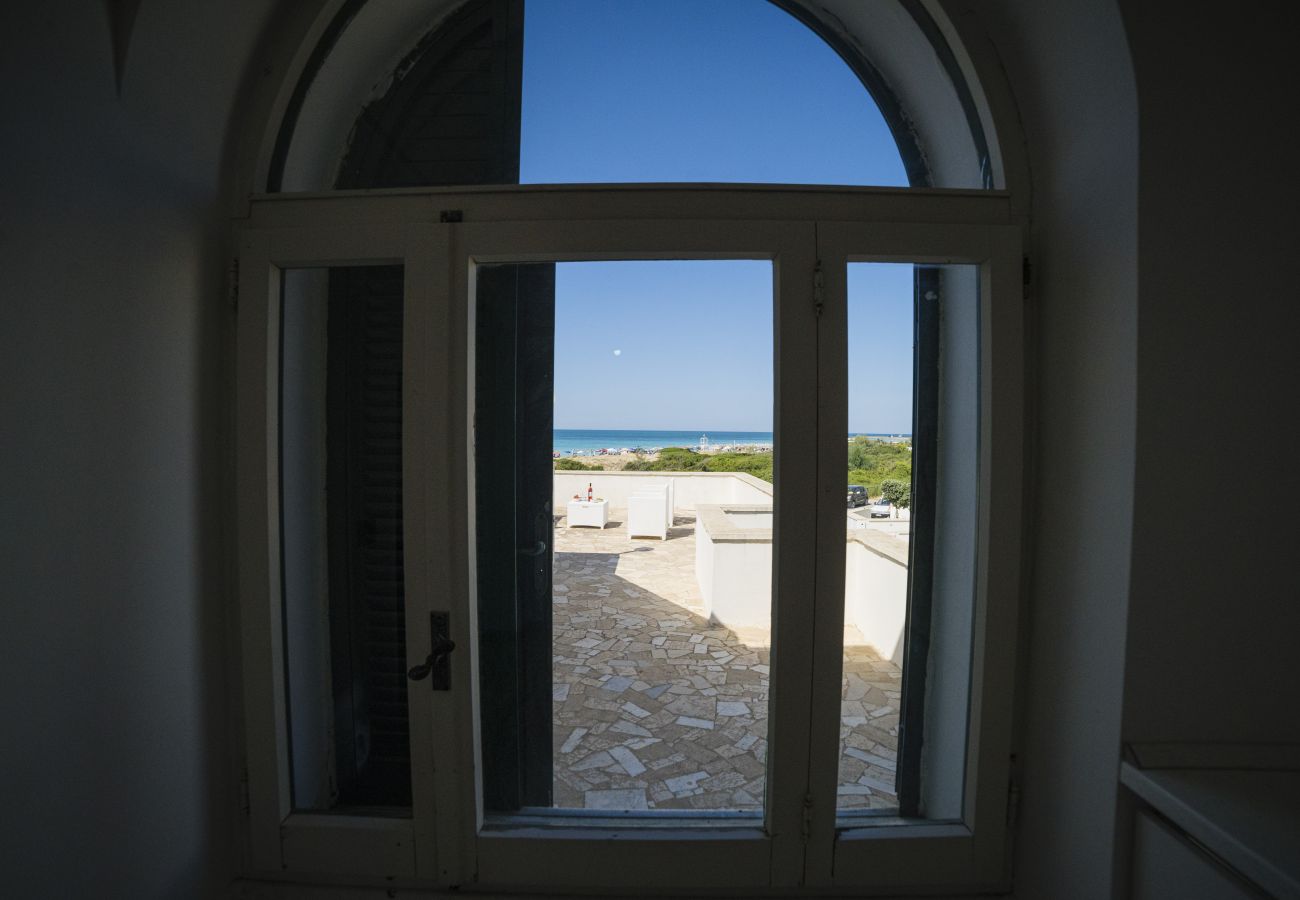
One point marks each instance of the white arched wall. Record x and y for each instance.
(359, 69)
(1069, 67)
(888, 36)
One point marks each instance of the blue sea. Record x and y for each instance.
(578, 441)
(588, 440)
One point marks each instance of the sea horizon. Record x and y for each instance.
(573, 441)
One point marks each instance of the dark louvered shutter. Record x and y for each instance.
(364, 512)
(514, 414)
(452, 114)
(450, 117)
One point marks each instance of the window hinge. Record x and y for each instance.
(819, 289)
(234, 285)
(805, 827)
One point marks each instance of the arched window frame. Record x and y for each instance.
(828, 854)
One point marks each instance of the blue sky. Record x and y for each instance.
(683, 90)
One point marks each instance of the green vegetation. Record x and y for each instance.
(679, 459)
(898, 493)
(872, 462)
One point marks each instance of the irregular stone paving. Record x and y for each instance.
(656, 708)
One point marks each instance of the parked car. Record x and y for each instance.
(857, 495)
(880, 509)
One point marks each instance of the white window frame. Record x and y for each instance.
(739, 854)
(280, 839)
(969, 852)
(447, 841)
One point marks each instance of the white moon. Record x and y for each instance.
(618, 352)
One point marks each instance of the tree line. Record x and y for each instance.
(883, 468)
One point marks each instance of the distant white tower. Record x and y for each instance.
(704, 443)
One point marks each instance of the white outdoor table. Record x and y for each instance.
(588, 512)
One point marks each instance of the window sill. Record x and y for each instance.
(1243, 807)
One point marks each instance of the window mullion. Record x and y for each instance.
(425, 476)
(795, 432)
(794, 545)
(828, 572)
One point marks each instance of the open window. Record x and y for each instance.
(467, 664)
(767, 717)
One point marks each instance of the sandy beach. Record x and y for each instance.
(616, 462)
(611, 462)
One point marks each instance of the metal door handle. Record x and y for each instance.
(536, 550)
(440, 650)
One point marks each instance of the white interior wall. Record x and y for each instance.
(114, 325)
(1069, 70)
(1215, 603)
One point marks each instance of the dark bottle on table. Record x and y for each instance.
(588, 491)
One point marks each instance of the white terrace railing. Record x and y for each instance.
(689, 488)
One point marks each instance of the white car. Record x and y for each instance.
(880, 509)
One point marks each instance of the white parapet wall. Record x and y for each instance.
(733, 565)
(875, 589)
(689, 488)
(733, 552)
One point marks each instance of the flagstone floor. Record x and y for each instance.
(657, 708)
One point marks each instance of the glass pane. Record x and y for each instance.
(878, 532)
(656, 577)
(910, 512)
(341, 506)
(680, 91)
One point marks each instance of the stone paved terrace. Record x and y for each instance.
(656, 708)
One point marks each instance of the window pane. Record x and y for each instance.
(341, 503)
(909, 540)
(656, 572)
(678, 91)
(878, 532)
